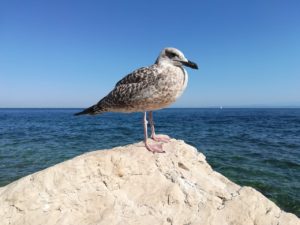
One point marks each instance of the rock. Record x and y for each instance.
(129, 185)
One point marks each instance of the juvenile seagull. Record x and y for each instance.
(147, 89)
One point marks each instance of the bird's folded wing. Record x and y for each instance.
(135, 87)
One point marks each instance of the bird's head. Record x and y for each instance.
(174, 57)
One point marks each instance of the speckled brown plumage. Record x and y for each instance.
(147, 89)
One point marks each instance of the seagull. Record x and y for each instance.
(147, 89)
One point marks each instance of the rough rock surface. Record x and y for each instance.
(129, 185)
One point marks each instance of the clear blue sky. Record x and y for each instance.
(71, 53)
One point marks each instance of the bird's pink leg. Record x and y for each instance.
(155, 137)
(151, 147)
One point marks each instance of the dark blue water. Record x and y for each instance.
(255, 147)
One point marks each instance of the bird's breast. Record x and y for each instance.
(182, 83)
(175, 82)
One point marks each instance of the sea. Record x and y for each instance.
(254, 147)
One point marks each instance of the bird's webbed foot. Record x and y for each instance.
(154, 148)
(161, 138)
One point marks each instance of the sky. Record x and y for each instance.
(71, 53)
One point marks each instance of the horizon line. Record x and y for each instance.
(199, 107)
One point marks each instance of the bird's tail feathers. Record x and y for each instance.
(93, 110)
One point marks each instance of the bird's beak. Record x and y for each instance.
(190, 64)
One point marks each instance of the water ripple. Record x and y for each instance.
(254, 147)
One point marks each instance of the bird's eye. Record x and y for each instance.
(171, 54)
